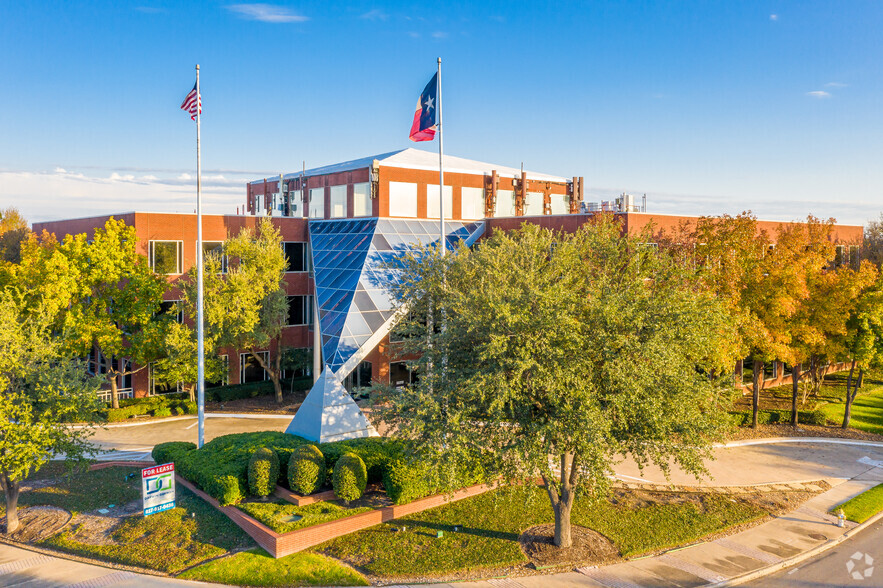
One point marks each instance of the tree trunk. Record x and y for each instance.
(795, 390)
(755, 396)
(273, 373)
(562, 504)
(11, 488)
(191, 390)
(562, 522)
(850, 396)
(111, 377)
(277, 373)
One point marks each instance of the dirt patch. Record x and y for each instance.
(96, 527)
(374, 497)
(589, 547)
(261, 404)
(38, 523)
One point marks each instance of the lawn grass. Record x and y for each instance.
(863, 506)
(867, 409)
(83, 491)
(271, 513)
(491, 523)
(257, 568)
(168, 541)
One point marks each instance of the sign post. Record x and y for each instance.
(158, 488)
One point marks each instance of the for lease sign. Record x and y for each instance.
(158, 488)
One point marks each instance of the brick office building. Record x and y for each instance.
(340, 223)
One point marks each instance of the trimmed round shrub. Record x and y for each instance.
(162, 411)
(350, 477)
(263, 469)
(306, 470)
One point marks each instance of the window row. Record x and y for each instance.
(403, 202)
(166, 257)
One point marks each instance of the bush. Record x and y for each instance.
(405, 482)
(767, 417)
(162, 411)
(376, 452)
(189, 407)
(220, 467)
(254, 389)
(350, 477)
(263, 471)
(171, 451)
(306, 470)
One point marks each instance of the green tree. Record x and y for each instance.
(116, 302)
(42, 392)
(556, 354)
(863, 339)
(13, 232)
(247, 307)
(872, 244)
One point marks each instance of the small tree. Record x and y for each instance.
(116, 302)
(247, 308)
(558, 353)
(41, 393)
(863, 340)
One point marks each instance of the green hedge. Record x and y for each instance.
(263, 471)
(768, 417)
(162, 406)
(376, 452)
(306, 470)
(220, 467)
(254, 389)
(350, 477)
(171, 451)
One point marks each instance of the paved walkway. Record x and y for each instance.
(25, 568)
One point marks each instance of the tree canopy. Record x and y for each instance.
(550, 354)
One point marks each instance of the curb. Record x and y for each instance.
(772, 440)
(793, 561)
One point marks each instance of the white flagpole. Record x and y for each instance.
(200, 335)
(441, 171)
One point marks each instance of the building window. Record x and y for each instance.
(296, 253)
(471, 203)
(359, 378)
(249, 368)
(173, 308)
(559, 203)
(362, 199)
(400, 375)
(299, 310)
(505, 203)
(533, 204)
(317, 203)
(154, 388)
(403, 199)
(225, 373)
(338, 201)
(215, 249)
(165, 257)
(432, 201)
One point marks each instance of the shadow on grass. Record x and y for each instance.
(416, 525)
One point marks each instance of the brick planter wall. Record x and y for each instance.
(282, 544)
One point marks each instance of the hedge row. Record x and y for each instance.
(254, 389)
(768, 417)
(153, 405)
(220, 468)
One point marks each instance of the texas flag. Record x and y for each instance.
(424, 125)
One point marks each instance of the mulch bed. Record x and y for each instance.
(37, 523)
(786, 430)
(538, 544)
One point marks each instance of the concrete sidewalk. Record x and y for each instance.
(23, 567)
(728, 561)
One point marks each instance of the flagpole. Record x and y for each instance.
(200, 335)
(441, 171)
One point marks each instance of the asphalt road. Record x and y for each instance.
(132, 441)
(845, 565)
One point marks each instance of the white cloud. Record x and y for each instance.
(266, 13)
(60, 194)
(375, 14)
(774, 17)
(439, 35)
(835, 85)
(818, 94)
(414, 35)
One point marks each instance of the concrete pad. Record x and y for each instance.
(630, 575)
(675, 575)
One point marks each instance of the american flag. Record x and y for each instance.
(192, 102)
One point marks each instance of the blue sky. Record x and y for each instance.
(708, 107)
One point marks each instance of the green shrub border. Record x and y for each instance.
(769, 417)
